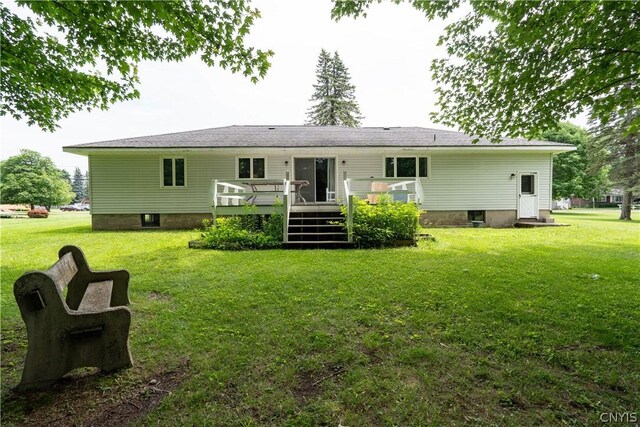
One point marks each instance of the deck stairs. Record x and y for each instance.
(316, 228)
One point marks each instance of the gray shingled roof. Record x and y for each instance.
(308, 136)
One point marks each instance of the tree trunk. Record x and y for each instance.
(31, 206)
(625, 209)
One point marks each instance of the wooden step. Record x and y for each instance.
(329, 233)
(314, 225)
(320, 244)
(325, 218)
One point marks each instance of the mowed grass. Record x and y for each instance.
(482, 326)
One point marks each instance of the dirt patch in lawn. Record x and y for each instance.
(142, 401)
(157, 295)
(82, 398)
(309, 384)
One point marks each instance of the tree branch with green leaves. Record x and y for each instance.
(518, 68)
(72, 56)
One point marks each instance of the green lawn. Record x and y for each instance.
(482, 326)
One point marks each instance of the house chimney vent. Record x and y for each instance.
(385, 128)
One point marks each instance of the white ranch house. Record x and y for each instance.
(176, 180)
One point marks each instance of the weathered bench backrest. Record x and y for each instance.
(72, 276)
(63, 271)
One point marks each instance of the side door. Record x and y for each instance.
(528, 195)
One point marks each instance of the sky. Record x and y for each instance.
(388, 54)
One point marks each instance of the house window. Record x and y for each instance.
(150, 220)
(527, 184)
(406, 167)
(173, 172)
(251, 167)
(616, 199)
(475, 216)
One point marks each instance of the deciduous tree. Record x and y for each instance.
(77, 55)
(516, 68)
(572, 174)
(30, 178)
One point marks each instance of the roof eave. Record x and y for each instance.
(85, 151)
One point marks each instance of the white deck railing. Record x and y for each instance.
(240, 192)
(405, 189)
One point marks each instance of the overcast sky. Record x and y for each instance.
(388, 55)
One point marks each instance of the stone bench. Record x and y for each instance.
(89, 327)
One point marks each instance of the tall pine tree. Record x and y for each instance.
(617, 144)
(77, 185)
(334, 94)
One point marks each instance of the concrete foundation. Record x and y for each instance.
(134, 222)
(443, 218)
(495, 219)
(500, 219)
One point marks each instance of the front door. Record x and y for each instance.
(527, 195)
(320, 173)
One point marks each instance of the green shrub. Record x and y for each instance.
(381, 224)
(248, 231)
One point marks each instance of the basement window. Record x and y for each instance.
(150, 220)
(475, 216)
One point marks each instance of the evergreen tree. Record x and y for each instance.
(78, 185)
(334, 94)
(86, 184)
(618, 146)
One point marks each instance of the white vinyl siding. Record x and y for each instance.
(482, 181)
(128, 183)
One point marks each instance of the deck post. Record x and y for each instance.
(214, 201)
(350, 219)
(285, 207)
(349, 198)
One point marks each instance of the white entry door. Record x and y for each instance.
(527, 195)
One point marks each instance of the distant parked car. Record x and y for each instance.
(38, 212)
(75, 207)
(5, 214)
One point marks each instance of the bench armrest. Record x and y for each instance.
(120, 291)
(84, 276)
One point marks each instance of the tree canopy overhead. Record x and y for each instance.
(51, 64)
(539, 62)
